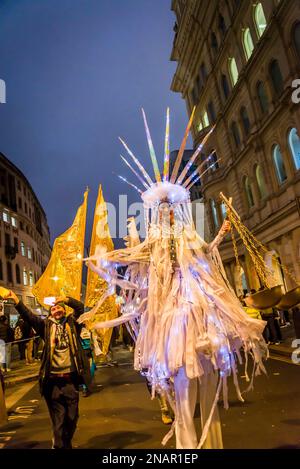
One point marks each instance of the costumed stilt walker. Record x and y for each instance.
(189, 326)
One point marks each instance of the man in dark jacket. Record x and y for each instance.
(64, 364)
(7, 336)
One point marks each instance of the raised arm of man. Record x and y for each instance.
(35, 321)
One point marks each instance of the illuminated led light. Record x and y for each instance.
(134, 172)
(151, 149)
(141, 168)
(55, 278)
(130, 184)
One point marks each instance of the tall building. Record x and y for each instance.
(237, 62)
(24, 233)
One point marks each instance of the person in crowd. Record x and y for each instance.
(86, 342)
(7, 337)
(64, 365)
(3, 413)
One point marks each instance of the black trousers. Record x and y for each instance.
(62, 398)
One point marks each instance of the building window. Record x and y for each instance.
(262, 96)
(205, 120)
(18, 274)
(213, 161)
(222, 25)
(223, 210)
(23, 251)
(248, 191)
(279, 164)
(236, 134)
(29, 255)
(1, 270)
(31, 279)
(296, 38)
(260, 182)
(203, 72)
(225, 86)
(16, 244)
(25, 207)
(259, 19)
(248, 43)
(245, 120)
(211, 111)
(6, 217)
(195, 94)
(20, 204)
(276, 77)
(14, 222)
(214, 213)
(19, 185)
(25, 277)
(21, 226)
(9, 272)
(233, 70)
(294, 145)
(214, 43)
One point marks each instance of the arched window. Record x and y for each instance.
(214, 161)
(211, 111)
(195, 94)
(222, 25)
(245, 120)
(18, 274)
(31, 279)
(9, 272)
(223, 210)
(279, 164)
(276, 77)
(233, 70)
(247, 43)
(214, 213)
(260, 181)
(259, 19)
(23, 251)
(225, 86)
(248, 191)
(294, 144)
(205, 120)
(236, 134)
(25, 277)
(214, 43)
(262, 96)
(203, 72)
(296, 38)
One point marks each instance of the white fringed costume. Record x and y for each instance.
(188, 323)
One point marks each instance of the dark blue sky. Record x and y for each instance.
(77, 73)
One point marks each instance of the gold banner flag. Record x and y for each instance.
(63, 273)
(96, 286)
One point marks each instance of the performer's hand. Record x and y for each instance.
(12, 296)
(226, 227)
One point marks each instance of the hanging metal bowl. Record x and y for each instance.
(290, 299)
(265, 299)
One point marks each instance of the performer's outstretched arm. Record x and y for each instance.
(225, 228)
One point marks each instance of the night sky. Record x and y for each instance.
(77, 73)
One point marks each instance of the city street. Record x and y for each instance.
(120, 413)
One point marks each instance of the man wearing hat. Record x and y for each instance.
(64, 364)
